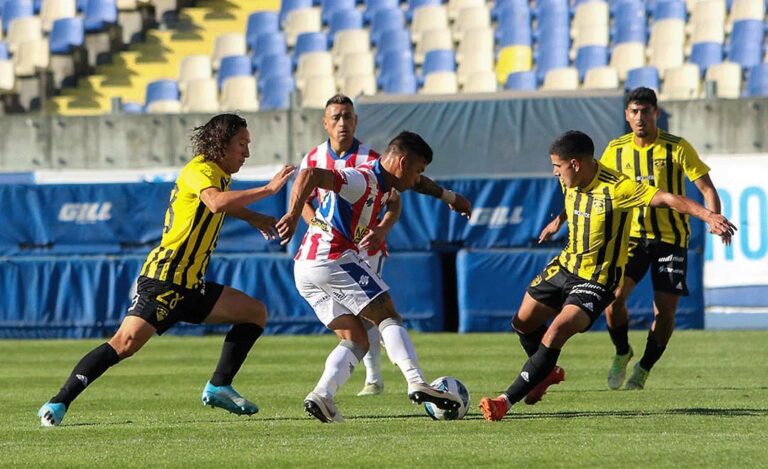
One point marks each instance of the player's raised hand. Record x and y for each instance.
(721, 226)
(462, 206)
(282, 176)
(550, 230)
(265, 224)
(286, 226)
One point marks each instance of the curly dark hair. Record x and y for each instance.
(211, 139)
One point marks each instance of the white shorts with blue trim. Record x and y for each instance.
(337, 287)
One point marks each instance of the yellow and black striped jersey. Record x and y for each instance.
(598, 225)
(190, 230)
(661, 164)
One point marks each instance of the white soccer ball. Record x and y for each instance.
(453, 385)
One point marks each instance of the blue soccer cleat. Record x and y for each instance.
(51, 414)
(228, 399)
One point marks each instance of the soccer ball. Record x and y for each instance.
(453, 385)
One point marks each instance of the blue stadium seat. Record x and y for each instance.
(66, 34)
(275, 95)
(666, 9)
(643, 76)
(36, 5)
(80, 5)
(521, 81)
(757, 80)
(556, 8)
(393, 40)
(553, 26)
(233, 66)
(268, 44)
(395, 62)
(414, 4)
(4, 55)
(276, 65)
(100, 14)
(289, 5)
(550, 58)
(386, 20)
(373, 6)
(132, 108)
(330, 7)
(520, 8)
(629, 22)
(13, 9)
(705, 54)
(260, 22)
(399, 84)
(309, 42)
(438, 61)
(162, 90)
(344, 19)
(588, 57)
(514, 26)
(746, 45)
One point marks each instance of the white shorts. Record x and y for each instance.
(376, 262)
(337, 287)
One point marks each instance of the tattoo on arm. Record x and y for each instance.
(428, 187)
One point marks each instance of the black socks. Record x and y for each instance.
(87, 370)
(534, 371)
(653, 351)
(236, 346)
(620, 338)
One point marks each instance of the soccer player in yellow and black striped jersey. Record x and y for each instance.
(658, 236)
(171, 286)
(578, 284)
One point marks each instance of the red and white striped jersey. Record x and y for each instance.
(346, 213)
(323, 156)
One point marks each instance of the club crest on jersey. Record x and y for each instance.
(598, 206)
(536, 281)
(659, 163)
(360, 232)
(161, 313)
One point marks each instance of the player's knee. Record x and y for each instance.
(258, 313)
(358, 346)
(125, 344)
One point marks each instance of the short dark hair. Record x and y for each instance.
(212, 138)
(641, 95)
(410, 144)
(339, 99)
(573, 144)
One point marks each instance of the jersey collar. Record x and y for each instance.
(378, 171)
(352, 150)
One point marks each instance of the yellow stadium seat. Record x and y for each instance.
(513, 59)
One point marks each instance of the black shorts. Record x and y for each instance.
(556, 287)
(163, 304)
(668, 264)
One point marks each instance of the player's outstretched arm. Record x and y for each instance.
(264, 223)
(718, 224)
(552, 228)
(457, 202)
(306, 182)
(228, 201)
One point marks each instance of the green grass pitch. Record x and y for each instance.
(705, 405)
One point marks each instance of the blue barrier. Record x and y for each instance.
(76, 297)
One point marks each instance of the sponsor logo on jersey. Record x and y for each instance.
(360, 232)
(81, 213)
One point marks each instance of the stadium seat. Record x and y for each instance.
(601, 78)
(479, 62)
(309, 42)
(7, 76)
(32, 56)
(313, 64)
(328, 8)
(276, 92)
(471, 18)
(590, 57)
(233, 66)
(681, 83)
(399, 84)
(162, 97)
(100, 15)
(286, 6)
(268, 44)
(373, 6)
(22, 30)
(440, 83)
(514, 35)
(455, 6)
(200, 96)
(670, 9)
(260, 22)
(746, 43)
(13, 9)
(386, 20)
(301, 21)
(356, 64)
(480, 82)
(434, 39)
(629, 23)
(194, 67)
(355, 85)
(666, 45)
(727, 79)
(561, 79)
(414, 5)
(706, 54)
(626, 56)
(395, 62)
(745, 10)
(52, 10)
(592, 36)
(239, 94)
(513, 59)
(426, 18)
(227, 44)
(343, 20)
(276, 65)
(550, 58)
(66, 35)
(757, 80)
(589, 15)
(4, 52)
(475, 40)
(317, 91)
(350, 41)
(438, 61)
(643, 76)
(708, 11)
(521, 81)
(520, 8)
(393, 40)
(710, 31)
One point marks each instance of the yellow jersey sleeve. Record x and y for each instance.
(200, 175)
(690, 161)
(630, 194)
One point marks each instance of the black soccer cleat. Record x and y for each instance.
(420, 393)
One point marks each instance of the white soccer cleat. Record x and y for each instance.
(321, 408)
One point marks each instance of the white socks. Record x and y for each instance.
(372, 359)
(400, 350)
(338, 366)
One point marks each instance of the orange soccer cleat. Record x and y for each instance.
(494, 409)
(557, 375)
